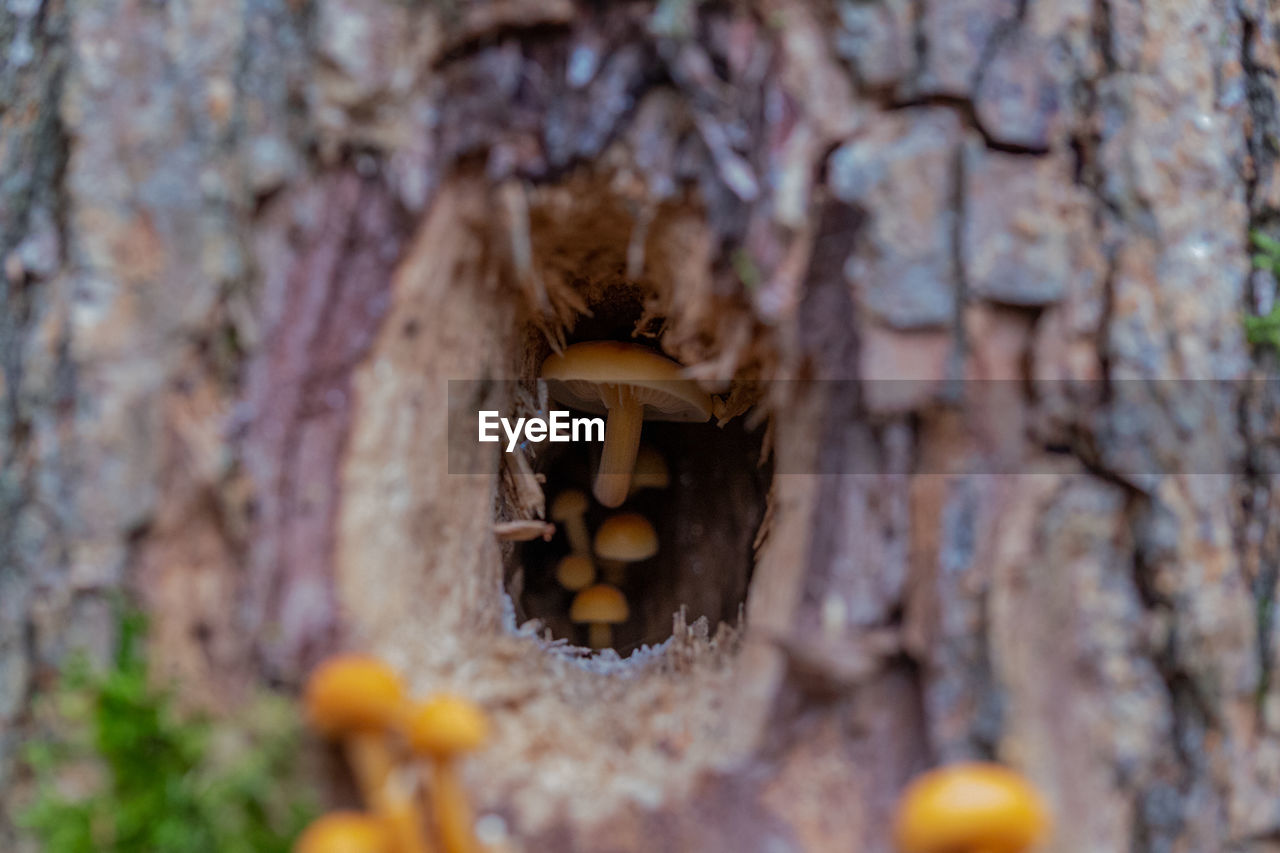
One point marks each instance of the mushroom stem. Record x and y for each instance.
(401, 814)
(370, 761)
(373, 766)
(621, 441)
(600, 635)
(579, 537)
(452, 811)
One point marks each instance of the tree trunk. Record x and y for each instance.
(980, 264)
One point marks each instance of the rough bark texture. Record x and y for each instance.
(244, 245)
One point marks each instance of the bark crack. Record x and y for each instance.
(33, 157)
(1262, 141)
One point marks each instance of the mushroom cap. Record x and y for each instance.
(627, 537)
(972, 806)
(575, 571)
(600, 604)
(574, 377)
(569, 503)
(651, 470)
(345, 832)
(352, 693)
(446, 725)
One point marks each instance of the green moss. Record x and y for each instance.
(1264, 329)
(127, 772)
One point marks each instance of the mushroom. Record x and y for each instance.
(626, 537)
(345, 832)
(568, 508)
(970, 808)
(627, 383)
(360, 700)
(442, 728)
(651, 470)
(575, 572)
(600, 607)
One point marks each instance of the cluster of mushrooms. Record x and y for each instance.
(629, 384)
(362, 703)
(621, 539)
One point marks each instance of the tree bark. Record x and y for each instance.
(245, 245)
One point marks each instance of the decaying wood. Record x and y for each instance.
(523, 530)
(245, 246)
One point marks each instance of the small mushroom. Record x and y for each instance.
(970, 808)
(360, 700)
(626, 537)
(600, 607)
(345, 832)
(568, 508)
(627, 383)
(651, 470)
(575, 572)
(441, 729)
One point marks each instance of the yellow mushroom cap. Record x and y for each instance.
(446, 725)
(601, 604)
(575, 572)
(568, 504)
(350, 693)
(651, 470)
(345, 832)
(574, 377)
(972, 806)
(627, 537)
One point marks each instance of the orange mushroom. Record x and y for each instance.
(360, 700)
(970, 808)
(575, 572)
(627, 383)
(441, 729)
(568, 508)
(345, 832)
(626, 537)
(599, 607)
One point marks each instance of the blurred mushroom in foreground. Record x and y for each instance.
(345, 832)
(970, 808)
(360, 701)
(441, 729)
